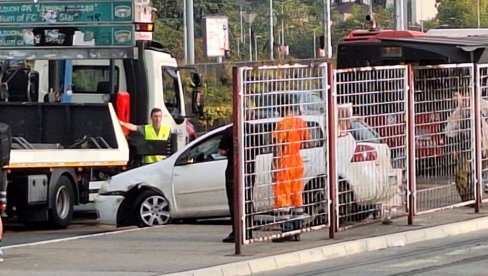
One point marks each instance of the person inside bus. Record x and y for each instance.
(458, 129)
(154, 131)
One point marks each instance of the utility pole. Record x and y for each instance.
(190, 32)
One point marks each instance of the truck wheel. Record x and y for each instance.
(151, 209)
(63, 200)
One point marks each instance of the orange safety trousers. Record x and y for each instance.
(289, 181)
(289, 134)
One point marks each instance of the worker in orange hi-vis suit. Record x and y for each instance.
(289, 135)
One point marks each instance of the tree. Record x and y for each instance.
(461, 13)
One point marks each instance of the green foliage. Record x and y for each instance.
(218, 108)
(170, 38)
(462, 13)
(296, 20)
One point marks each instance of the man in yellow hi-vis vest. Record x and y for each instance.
(153, 131)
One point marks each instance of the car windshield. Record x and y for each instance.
(309, 103)
(364, 133)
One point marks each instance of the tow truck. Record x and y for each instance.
(71, 70)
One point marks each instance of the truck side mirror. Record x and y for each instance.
(197, 101)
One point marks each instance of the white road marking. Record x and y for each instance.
(412, 263)
(468, 250)
(79, 237)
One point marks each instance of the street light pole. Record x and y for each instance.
(250, 43)
(185, 31)
(282, 26)
(239, 41)
(314, 44)
(479, 15)
(271, 40)
(256, 47)
(249, 17)
(190, 32)
(327, 38)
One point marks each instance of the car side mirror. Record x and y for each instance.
(179, 119)
(184, 161)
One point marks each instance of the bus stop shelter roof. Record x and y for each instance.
(473, 47)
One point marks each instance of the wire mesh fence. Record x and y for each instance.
(371, 142)
(283, 134)
(444, 135)
(403, 135)
(482, 83)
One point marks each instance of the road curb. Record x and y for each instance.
(342, 249)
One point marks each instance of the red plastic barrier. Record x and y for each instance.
(123, 108)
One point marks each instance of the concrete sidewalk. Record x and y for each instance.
(197, 249)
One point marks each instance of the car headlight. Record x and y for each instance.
(105, 190)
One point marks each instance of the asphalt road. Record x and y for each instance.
(16, 234)
(459, 255)
(82, 225)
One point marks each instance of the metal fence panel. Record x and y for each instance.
(444, 135)
(482, 81)
(282, 150)
(371, 142)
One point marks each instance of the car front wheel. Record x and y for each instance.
(151, 209)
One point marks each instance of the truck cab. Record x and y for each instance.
(70, 71)
(153, 80)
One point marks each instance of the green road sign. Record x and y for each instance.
(69, 12)
(21, 37)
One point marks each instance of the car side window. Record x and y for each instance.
(203, 152)
(316, 135)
